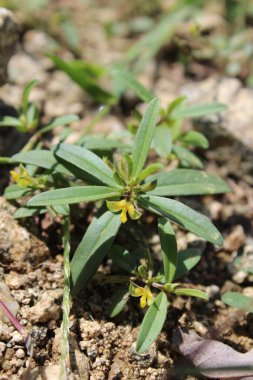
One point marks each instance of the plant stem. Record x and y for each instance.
(66, 301)
(4, 160)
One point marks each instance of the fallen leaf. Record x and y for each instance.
(212, 358)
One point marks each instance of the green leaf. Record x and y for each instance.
(162, 141)
(122, 258)
(187, 182)
(239, 301)
(26, 212)
(187, 259)
(86, 161)
(93, 248)
(152, 323)
(187, 158)
(150, 169)
(182, 215)
(198, 110)
(191, 293)
(76, 70)
(71, 195)
(194, 138)
(102, 143)
(59, 121)
(144, 136)
(124, 79)
(9, 121)
(15, 192)
(63, 210)
(118, 301)
(26, 93)
(168, 247)
(41, 158)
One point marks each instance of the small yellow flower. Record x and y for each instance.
(23, 179)
(125, 207)
(145, 294)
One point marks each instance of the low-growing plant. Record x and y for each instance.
(123, 189)
(27, 121)
(239, 301)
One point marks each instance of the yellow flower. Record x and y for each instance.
(125, 207)
(23, 179)
(145, 294)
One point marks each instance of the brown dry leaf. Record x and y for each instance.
(212, 358)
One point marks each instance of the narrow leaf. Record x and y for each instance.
(198, 110)
(187, 158)
(162, 141)
(72, 195)
(122, 258)
(125, 78)
(187, 259)
(187, 182)
(93, 248)
(59, 121)
(182, 215)
(118, 301)
(191, 293)
(15, 192)
(168, 247)
(144, 136)
(26, 93)
(41, 158)
(86, 161)
(194, 138)
(239, 301)
(152, 323)
(26, 212)
(9, 121)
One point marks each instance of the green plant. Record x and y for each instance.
(239, 301)
(27, 121)
(76, 174)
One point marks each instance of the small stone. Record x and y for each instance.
(240, 276)
(15, 280)
(20, 354)
(47, 308)
(212, 290)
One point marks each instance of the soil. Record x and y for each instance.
(31, 268)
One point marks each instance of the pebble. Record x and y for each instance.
(20, 354)
(46, 308)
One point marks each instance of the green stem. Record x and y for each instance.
(66, 301)
(32, 142)
(4, 160)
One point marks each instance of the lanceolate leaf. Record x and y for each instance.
(125, 78)
(118, 301)
(15, 192)
(169, 248)
(71, 195)
(87, 161)
(191, 293)
(182, 215)
(61, 120)
(238, 300)
(187, 259)
(162, 140)
(195, 138)
(25, 212)
(9, 121)
(144, 136)
(198, 110)
(27, 90)
(187, 158)
(41, 158)
(93, 248)
(152, 323)
(187, 182)
(122, 258)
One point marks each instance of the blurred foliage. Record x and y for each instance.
(216, 33)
